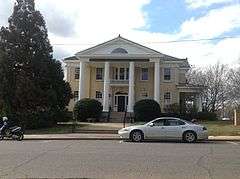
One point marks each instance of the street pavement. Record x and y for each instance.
(118, 159)
(104, 136)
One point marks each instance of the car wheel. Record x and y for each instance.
(136, 136)
(189, 137)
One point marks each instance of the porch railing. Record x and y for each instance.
(112, 81)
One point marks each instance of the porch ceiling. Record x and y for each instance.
(190, 88)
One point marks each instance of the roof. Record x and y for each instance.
(185, 63)
(70, 58)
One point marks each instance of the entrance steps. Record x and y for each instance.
(117, 116)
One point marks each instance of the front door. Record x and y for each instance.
(121, 103)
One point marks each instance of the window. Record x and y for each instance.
(99, 73)
(116, 73)
(122, 71)
(173, 122)
(159, 122)
(75, 95)
(119, 50)
(144, 74)
(98, 94)
(121, 74)
(77, 72)
(167, 74)
(167, 98)
(127, 73)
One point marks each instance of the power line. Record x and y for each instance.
(157, 42)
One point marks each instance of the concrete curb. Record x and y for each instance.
(113, 138)
(73, 138)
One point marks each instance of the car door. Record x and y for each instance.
(173, 128)
(155, 130)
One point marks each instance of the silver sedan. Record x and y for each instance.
(165, 128)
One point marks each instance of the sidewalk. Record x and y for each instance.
(78, 136)
(106, 137)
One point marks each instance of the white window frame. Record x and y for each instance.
(102, 74)
(77, 72)
(170, 75)
(117, 73)
(167, 101)
(141, 78)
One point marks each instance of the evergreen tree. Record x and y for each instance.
(38, 92)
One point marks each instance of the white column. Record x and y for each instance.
(199, 103)
(235, 117)
(157, 81)
(106, 87)
(131, 87)
(81, 93)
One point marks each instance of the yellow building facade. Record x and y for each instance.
(120, 72)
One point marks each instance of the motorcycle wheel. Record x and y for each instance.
(1, 137)
(19, 137)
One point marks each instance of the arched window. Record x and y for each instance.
(120, 50)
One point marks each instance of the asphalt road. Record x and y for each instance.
(117, 159)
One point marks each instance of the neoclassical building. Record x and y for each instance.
(120, 72)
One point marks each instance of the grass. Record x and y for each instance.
(58, 129)
(68, 128)
(215, 128)
(221, 128)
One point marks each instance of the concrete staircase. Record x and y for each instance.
(117, 116)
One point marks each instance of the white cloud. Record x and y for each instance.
(214, 23)
(97, 27)
(194, 4)
(91, 22)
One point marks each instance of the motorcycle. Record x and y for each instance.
(16, 133)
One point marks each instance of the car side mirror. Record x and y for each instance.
(151, 125)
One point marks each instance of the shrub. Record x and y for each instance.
(87, 108)
(64, 116)
(146, 110)
(210, 116)
(172, 108)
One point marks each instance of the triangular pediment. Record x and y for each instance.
(119, 47)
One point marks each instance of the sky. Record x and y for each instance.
(75, 25)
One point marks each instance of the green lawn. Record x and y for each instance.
(68, 128)
(59, 129)
(221, 128)
(215, 128)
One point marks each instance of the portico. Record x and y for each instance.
(122, 76)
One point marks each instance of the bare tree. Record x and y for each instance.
(234, 91)
(215, 79)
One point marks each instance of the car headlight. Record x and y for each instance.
(125, 130)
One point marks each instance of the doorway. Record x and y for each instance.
(121, 101)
